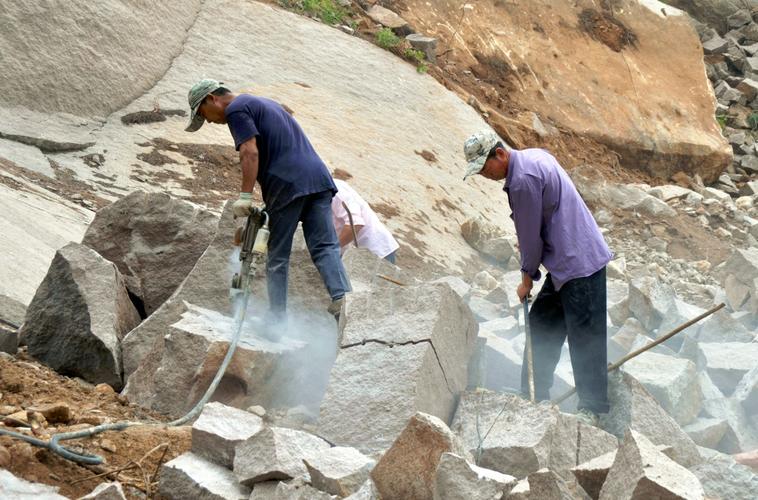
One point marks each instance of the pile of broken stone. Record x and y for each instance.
(414, 397)
(731, 61)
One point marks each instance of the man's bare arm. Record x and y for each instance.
(346, 235)
(249, 164)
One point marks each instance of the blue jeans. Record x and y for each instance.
(315, 212)
(577, 311)
(391, 258)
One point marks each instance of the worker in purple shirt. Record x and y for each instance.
(556, 229)
(295, 183)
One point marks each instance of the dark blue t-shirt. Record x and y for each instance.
(288, 166)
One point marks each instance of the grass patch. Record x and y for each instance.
(326, 10)
(418, 57)
(386, 39)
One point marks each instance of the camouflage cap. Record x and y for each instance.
(476, 148)
(197, 93)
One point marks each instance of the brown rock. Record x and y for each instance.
(8, 409)
(749, 458)
(104, 389)
(56, 413)
(5, 457)
(18, 419)
(408, 469)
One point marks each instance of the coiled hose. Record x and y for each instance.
(85, 458)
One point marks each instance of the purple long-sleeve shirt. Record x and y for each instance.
(554, 226)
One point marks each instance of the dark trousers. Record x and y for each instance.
(315, 212)
(577, 311)
(391, 258)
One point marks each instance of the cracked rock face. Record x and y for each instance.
(219, 429)
(79, 315)
(522, 437)
(191, 476)
(457, 478)
(404, 349)
(407, 470)
(339, 471)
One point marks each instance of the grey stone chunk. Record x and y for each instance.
(264, 491)
(404, 349)
(727, 362)
(722, 477)
(297, 490)
(276, 453)
(12, 312)
(506, 328)
(669, 192)
(544, 484)
(106, 491)
(641, 471)
(653, 207)
(8, 339)
(484, 310)
(487, 239)
(79, 315)
(715, 45)
(750, 188)
(366, 492)
(739, 18)
(386, 17)
(633, 407)
(13, 487)
(457, 283)
(649, 300)
(363, 268)
(707, 432)
(219, 429)
(591, 475)
(747, 391)
(426, 44)
(523, 437)
(749, 88)
(740, 435)
(339, 471)
(456, 478)
(499, 362)
(617, 296)
(408, 469)
(153, 239)
(672, 382)
(190, 476)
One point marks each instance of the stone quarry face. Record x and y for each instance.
(79, 315)
(408, 469)
(403, 350)
(153, 239)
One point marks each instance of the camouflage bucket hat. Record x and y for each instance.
(476, 148)
(197, 93)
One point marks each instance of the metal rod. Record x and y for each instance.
(529, 355)
(617, 364)
(391, 280)
(352, 226)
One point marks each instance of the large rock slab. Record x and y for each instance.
(740, 272)
(727, 362)
(197, 322)
(219, 429)
(79, 315)
(408, 469)
(707, 432)
(633, 407)
(672, 382)
(339, 471)
(740, 434)
(457, 478)
(190, 476)
(723, 478)
(403, 350)
(173, 379)
(522, 437)
(276, 453)
(154, 240)
(641, 471)
(488, 239)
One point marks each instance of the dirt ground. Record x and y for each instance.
(25, 383)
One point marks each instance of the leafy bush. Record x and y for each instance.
(386, 39)
(418, 57)
(326, 10)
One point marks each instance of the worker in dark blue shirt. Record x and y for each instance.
(295, 184)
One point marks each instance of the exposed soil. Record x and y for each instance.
(427, 155)
(216, 172)
(65, 183)
(342, 175)
(605, 28)
(25, 383)
(152, 116)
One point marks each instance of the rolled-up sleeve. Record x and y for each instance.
(526, 202)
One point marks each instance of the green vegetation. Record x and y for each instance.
(418, 57)
(722, 121)
(386, 39)
(326, 10)
(752, 120)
